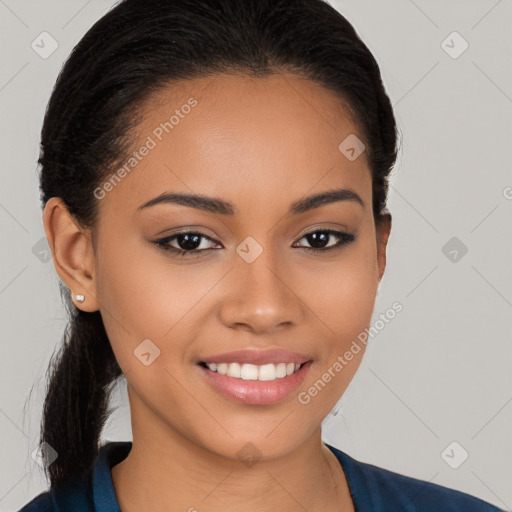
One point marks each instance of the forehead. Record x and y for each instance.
(243, 139)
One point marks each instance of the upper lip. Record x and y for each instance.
(258, 357)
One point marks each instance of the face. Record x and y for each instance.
(248, 277)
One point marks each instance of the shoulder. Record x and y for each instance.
(75, 495)
(419, 495)
(382, 489)
(41, 503)
(89, 493)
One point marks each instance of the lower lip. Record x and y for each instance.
(256, 392)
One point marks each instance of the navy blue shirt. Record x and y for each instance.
(373, 489)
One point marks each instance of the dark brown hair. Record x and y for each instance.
(137, 48)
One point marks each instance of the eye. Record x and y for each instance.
(190, 243)
(319, 240)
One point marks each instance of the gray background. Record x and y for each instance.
(441, 370)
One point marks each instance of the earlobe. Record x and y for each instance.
(72, 253)
(383, 232)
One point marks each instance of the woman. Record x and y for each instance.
(214, 182)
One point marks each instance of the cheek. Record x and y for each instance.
(343, 302)
(342, 293)
(130, 294)
(143, 295)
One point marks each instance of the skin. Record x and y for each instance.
(262, 144)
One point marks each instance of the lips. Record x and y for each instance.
(255, 392)
(258, 357)
(263, 389)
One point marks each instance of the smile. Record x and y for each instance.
(248, 371)
(252, 384)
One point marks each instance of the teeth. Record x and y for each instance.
(280, 370)
(267, 372)
(222, 368)
(254, 372)
(249, 372)
(234, 370)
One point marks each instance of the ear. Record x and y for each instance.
(383, 232)
(72, 252)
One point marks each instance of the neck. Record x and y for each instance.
(165, 468)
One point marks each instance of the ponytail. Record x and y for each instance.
(78, 392)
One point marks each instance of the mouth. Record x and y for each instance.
(253, 384)
(248, 371)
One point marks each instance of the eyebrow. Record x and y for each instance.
(215, 205)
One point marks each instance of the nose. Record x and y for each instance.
(260, 297)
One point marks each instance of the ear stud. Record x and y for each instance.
(79, 297)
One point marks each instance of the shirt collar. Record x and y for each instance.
(104, 495)
(358, 481)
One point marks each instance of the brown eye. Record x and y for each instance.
(189, 242)
(320, 238)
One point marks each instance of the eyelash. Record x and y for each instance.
(344, 239)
